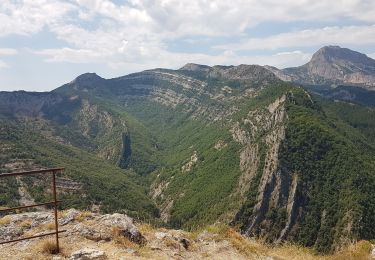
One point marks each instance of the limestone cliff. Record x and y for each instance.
(333, 65)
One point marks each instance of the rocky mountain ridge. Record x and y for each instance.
(187, 148)
(330, 65)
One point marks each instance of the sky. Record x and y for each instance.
(46, 43)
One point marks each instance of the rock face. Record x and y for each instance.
(240, 72)
(196, 67)
(88, 254)
(259, 161)
(87, 81)
(100, 227)
(17, 225)
(334, 65)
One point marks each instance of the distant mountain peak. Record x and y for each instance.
(334, 53)
(86, 81)
(87, 76)
(334, 65)
(195, 67)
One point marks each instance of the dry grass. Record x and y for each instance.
(83, 216)
(146, 252)
(47, 226)
(193, 235)
(119, 239)
(171, 243)
(293, 252)
(146, 229)
(244, 245)
(357, 251)
(41, 228)
(218, 229)
(5, 220)
(206, 255)
(25, 223)
(30, 233)
(251, 248)
(61, 214)
(47, 247)
(90, 222)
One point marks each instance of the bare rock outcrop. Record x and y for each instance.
(215, 242)
(101, 228)
(88, 254)
(86, 224)
(261, 133)
(333, 65)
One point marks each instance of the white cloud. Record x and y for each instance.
(31, 16)
(8, 51)
(163, 58)
(372, 55)
(176, 18)
(127, 14)
(136, 34)
(285, 59)
(69, 55)
(3, 65)
(307, 38)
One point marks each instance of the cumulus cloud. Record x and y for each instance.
(137, 33)
(315, 37)
(69, 55)
(8, 51)
(177, 18)
(228, 17)
(31, 16)
(166, 59)
(3, 65)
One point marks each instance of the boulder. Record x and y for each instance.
(102, 228)
(71, 214)
(126, 224)
(10, 232)
(175, 239)
(88, 254)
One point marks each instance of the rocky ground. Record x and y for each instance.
(95, 236)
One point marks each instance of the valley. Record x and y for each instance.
(187, 148)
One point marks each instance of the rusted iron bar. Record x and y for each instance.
(55, 200)
(30, 206)
(26, 238)
(55, 170)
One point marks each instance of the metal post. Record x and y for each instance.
(55, 204)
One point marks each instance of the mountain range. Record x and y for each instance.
(280, 154)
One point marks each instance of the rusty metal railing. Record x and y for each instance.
(55, 202)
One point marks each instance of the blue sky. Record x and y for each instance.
(46, 43)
